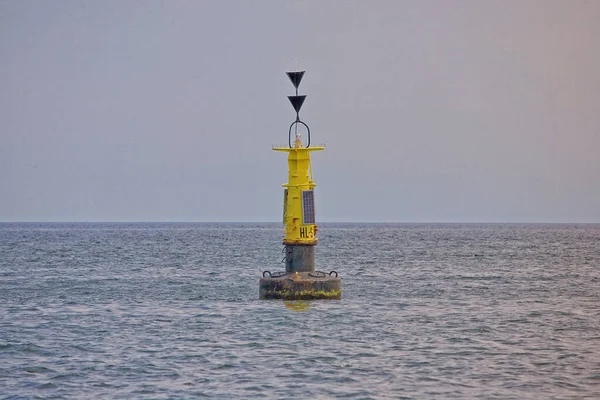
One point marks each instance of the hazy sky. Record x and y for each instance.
(431, 110)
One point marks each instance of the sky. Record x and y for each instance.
(431, 111)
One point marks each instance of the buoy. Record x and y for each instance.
(300, 281)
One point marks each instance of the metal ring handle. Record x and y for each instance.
(333, 272)
(290, 132)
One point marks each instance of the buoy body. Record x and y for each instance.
(300, 281)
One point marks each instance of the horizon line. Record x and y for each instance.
(279, 222)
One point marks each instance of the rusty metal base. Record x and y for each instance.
(301, 286)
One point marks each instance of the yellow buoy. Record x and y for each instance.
(300, 281)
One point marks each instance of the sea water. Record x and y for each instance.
(153, 310)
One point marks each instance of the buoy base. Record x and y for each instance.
(301, 286)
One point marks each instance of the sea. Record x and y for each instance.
(171, 311)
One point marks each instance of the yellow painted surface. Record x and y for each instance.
(299, 179)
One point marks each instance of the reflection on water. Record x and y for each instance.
(297, 305)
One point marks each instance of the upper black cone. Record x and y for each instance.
(295, 77)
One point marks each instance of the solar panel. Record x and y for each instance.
(308, 207)
(285, 197)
